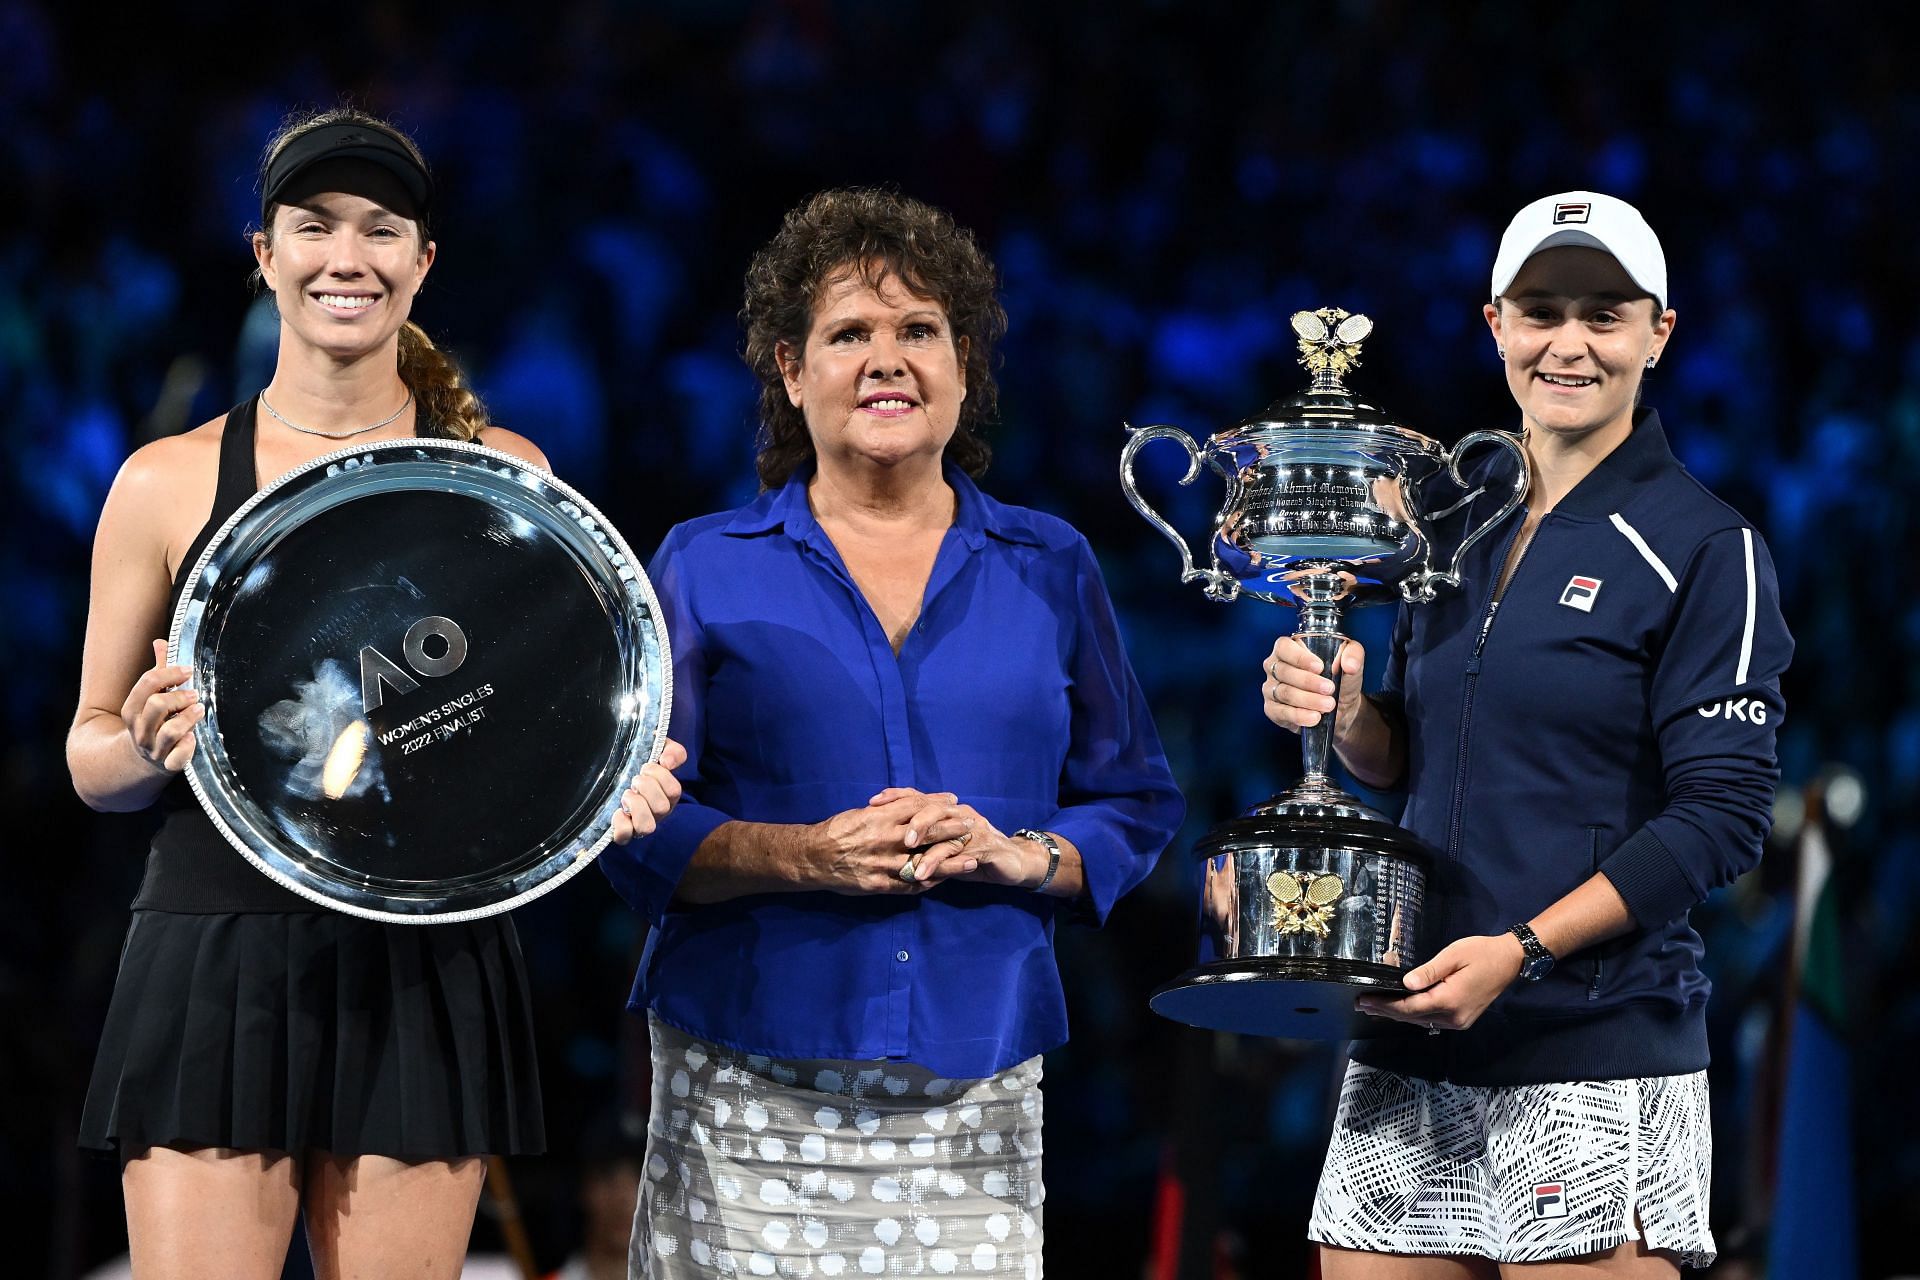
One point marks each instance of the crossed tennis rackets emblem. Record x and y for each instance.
(1303, 901)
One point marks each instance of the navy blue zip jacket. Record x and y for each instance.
(1615, 712)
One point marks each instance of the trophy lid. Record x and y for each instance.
(1330, 340)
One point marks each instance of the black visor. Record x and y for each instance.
(348, 142)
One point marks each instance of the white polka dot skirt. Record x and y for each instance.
(759, 1166)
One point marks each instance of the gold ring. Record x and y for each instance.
(961, 843)
(907, 868)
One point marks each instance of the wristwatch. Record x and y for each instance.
(1053, 854)
(1539, 961)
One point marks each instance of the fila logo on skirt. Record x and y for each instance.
(1550, 1200)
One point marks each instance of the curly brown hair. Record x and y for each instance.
(448, 405)
(878, 233)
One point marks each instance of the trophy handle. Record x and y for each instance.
(1421, 588)
(1220, 585)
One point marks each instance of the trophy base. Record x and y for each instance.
(1286, 997)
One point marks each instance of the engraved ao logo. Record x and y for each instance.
(378, 672)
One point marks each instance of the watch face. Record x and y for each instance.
(1536, 968)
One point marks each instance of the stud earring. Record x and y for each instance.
(1501, 352)
(1651, 361)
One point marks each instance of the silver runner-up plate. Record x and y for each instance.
(429, 670)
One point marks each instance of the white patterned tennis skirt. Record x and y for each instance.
(759, 1166)
(1525, 1173)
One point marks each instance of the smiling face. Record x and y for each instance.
(343, 267)
(879, 377)
(1578, 334)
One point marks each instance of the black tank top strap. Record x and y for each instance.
(238, 481)
(191, 867)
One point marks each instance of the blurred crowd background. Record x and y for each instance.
(1162, 184)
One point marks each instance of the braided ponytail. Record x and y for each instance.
(446, 403)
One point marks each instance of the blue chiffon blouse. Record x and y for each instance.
(1012, 690)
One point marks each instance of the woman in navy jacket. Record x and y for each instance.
(1586, 732)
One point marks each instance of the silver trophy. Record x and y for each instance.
(1311, 897)
(429, 670)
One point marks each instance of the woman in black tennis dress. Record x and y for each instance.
(264, 1056)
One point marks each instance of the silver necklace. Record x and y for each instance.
(338, 435)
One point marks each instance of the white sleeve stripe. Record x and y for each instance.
(1746, 636)
(1646, 552)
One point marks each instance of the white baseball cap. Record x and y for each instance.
(1589, 220)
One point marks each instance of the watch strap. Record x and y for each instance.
(1053, 853)
(1538, 959)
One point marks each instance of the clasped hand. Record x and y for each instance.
(1452, 990)
(906, 841)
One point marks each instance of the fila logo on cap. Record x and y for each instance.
(1580, 593)
(1563, 213)
(1550, 1200)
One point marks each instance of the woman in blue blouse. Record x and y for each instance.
(914, 742)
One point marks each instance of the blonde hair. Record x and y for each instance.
(445, 404)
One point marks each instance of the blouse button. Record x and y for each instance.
(902, 957)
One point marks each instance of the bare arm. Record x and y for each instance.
(132, 729)
(1371, 743)
(1590, 915)
(741, 858)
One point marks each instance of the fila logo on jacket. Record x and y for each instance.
(1580, 593)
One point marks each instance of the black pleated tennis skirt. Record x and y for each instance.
(317, 1031)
